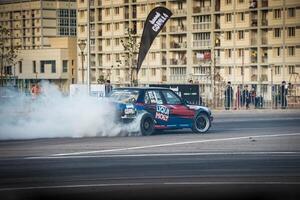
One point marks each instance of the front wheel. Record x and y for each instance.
(146, 124)
(201, 123)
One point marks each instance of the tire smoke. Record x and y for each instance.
(54, 115)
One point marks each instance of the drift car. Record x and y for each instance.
(160, 109)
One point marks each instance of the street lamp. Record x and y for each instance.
(82, 45)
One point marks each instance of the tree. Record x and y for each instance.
(130, 53)
(8, 54)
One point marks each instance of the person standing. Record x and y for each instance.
(228, 96)
(246, 97)
(108, 87)
(283, 94)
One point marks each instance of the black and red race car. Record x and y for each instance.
(160, 109)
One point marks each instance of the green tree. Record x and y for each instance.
(9, 54)
(131, 48)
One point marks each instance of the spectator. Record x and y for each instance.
(252, 96)
(35, 91)
(108, 87)
(246, 97)
(238, 98)
(283, 94)
(228, 96)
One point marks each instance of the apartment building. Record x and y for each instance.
(206, 41)
(45, 33)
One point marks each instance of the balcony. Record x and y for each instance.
(202, 26)
(178, 28)
(175, 61)
(253, 59)
(254, 77)
(254, 22)
(201, 9)
(176, 45)
(178, 78)
(264, 40)
(253, 4)
(264, 22)
(253, 41)
(264, 3)
(264, 59)
(264, 77)
(100, 33)
(201, 43)
(178, 12)
(164, 61)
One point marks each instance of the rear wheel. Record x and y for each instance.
(147, 124)
(201, 123)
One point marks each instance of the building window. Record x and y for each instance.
(65, 66)
(291, 12)
(292, 69)
(291, 31)
(20, 67)
(241, 1)
(116, 26)
(107, 27)
(277, 32)
(44, 63)
(143, 72)
(107, 42)
(276, 13)
(240, 52)
(277, 51)
(108, 57)
(143, 8)
(228, 53)
(82, 29)
(291, 51)
(117, 41)
(241, 16)
(228, 2)
(34, 66)
(118, 72)
(277, 70)
(229, 70)
(107, 11)
(228, 17)
(178, 71)
(153, 55)
(228, 35)
(241, 35)
(117, 11)
(153, 72)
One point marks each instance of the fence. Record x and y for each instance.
(253, 96)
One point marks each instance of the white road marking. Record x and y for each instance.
(152, 184)
(173, 144)
(272, 153)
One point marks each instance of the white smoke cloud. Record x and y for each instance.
(54, 115)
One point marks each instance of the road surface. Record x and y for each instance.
(246, 155)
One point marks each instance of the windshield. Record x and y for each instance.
(126, 96)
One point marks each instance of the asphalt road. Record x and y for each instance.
(246, 155)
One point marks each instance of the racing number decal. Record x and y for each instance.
(162, 113)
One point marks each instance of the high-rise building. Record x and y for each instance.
(208, 42)
(45, 33)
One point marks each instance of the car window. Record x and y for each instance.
(153, 97)
(126, 96)
(171, 98)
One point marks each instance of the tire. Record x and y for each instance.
(146, 125)
(202, 123)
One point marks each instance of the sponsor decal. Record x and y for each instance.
(162, 113)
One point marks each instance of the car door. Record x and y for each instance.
(180, 115)
(154, 105)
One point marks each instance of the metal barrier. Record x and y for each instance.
(254, 96)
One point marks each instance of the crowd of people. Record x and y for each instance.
(244, 97)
